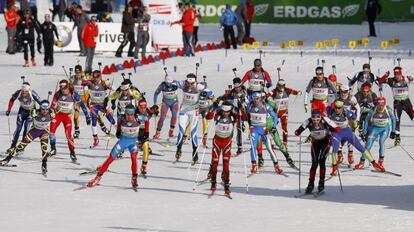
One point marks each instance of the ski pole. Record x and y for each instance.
(63, 67)
(129, 75)
(369, 60)
(48, 95)
(323, 63)
(406, 152)
(260, 54)
(197, 65)
(278, 73)
(300, 158)
(245, 171)
(22, 77)
(334, 69)
(123, 76)
(198, 146)
(8, 123)
(110, 126)
(199, 169)
(70, 72)
(340, 180)
(99, 66)
(165, 70)
(399, 61)
(204, 79)
(234, 71)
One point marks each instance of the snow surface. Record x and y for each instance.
(165, 200)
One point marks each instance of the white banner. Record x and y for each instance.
(163, 12)
(109, 38)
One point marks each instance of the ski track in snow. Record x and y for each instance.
(165, 200)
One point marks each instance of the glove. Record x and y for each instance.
(118, 134)
(273, 130)
(88, 120)
(337, 129)
(306, 107)
(145, 137)
(154, 110)
(410, 78)
(39, 45)
(297, 132)
(52, 113)
(7, 112)
(300, 93)
(392, 135)
(268, 85)
(387, 74)
(355, 125)
(113, 107)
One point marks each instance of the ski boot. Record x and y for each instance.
(52, 151)
(397, 139)
(171, 132)
(76, 134)
(239, 150)
(44, 167)
(213, 186)
(310, 187)
(95, 180)
(290, 161)
(178, 154)
(157, 135)
(73, 156)
(254, 167)
(6, 160)
(278, 169)
(261, 160)
(95, 141)
(360, 165)
(134, 181)
(377, 166)
(210, 173)
(26, 63)
(205, 140)
(350, 158)
(340, 158)
(10, 150)
(33, 62)
(144, 168)
(334, 170)
(381, 161)
(195, 157)
(321, 185)
(105, 130)
(227, 189)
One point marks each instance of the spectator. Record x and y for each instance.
(196, 25)
(373, 9)
(128, 30)
(59, 7)
(187, 22)
(143, 34)
(136, 8)
(89, 37)
(71, 11)
(249, 16)
(33, 8)
(80, 21)
(26, 28)
(241, 15)
(48, 30)
(12, 19)
(227, 21)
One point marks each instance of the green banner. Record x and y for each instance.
(291, 11)
(397, 10)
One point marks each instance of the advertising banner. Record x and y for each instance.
(163, 12)
(109, 38)
(291, 11)
(397, 10)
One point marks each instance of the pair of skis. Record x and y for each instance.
(314, 194)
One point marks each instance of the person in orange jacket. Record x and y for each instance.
(187, 22)
(12, 18)
(89, 37)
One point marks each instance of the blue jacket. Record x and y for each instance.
(228, 18)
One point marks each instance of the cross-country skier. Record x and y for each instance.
(366, 100)
(27, 98)
(350, 104)
(128, 131)
(364, 76)
(399, 85)
(281, 97)
(169, 101)
(320, 86)
(126, 95)
(344, 118)
(189, 112)
(225, 119)
(62, 109)
(257, 78)
(206, 101)
(39, 129)
(332, 94)
(319, 128)
(258, 112)
(98, 91)
(377, 125)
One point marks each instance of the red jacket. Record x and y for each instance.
(249, 12)
(188, 20)
(265, 73)
(11, 18)
(89, 35)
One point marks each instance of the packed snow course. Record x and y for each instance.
(165, 201)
